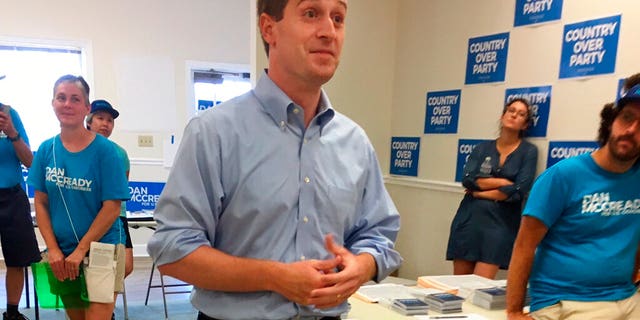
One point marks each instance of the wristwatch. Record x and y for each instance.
(14, 139)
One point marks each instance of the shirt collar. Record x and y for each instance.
(276, 103)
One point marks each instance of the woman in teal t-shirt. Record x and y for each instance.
(79, 183)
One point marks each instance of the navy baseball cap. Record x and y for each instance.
(104, 105)
(633, 95)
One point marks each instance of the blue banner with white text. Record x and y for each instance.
(560, 150)
(487, 58)
(144, 195)
(537, 11)
(540, 100)
(405, 153)
(443, 108)
(590, 47)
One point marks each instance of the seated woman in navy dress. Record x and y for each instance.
(497, 178)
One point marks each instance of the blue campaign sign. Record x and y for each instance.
(560, 150)
(405, 152)
(205, 104)
(537, 11)
(465, 147)
(540, 100)
(144, 195)
(443, 108)
(590, 47)
(620, 89)
(487, 58)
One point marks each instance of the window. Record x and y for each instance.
(31, 71)
(214, 87)
(213, 84)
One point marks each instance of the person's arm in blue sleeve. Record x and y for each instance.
(471, 168)
(191, 199)
(517, 191)
(13, 128)
(376, 231)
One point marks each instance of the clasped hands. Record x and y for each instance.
(326, 283)
(65, 267)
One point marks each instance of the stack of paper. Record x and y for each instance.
(490, 298)
(444, 302)
(410, 307)
(461, 285)
(383, 291)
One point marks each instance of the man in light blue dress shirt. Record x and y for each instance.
(275, 207)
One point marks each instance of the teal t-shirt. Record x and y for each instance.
(593, 220)
(122, 154)
(10, 167)
(76, 184)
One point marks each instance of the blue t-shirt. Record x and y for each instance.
(593, 217)
(10, 167)
(84, 179)
(124, 157)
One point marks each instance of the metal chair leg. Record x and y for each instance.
(35, 301)
(124, 302)
(153, 267)
(164, 299)
(26, 286)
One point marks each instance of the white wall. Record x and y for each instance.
(431, 48)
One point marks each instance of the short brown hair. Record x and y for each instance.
(274, 8)
(78, 81)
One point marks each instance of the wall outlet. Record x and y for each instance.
(145, 141)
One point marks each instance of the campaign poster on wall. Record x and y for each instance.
(560, 150)
(590, 47)
(205, 104)
(405, 153)
(537, 11)
(443, 108)
(540, 100)
(487, 58)
(144, 195)
(465, 147)
(620, 89)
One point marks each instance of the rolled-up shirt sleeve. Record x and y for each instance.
(471, 168)
(190, 203)
(376, 231)
(517, 191)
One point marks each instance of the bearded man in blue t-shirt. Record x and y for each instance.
(578, 241)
